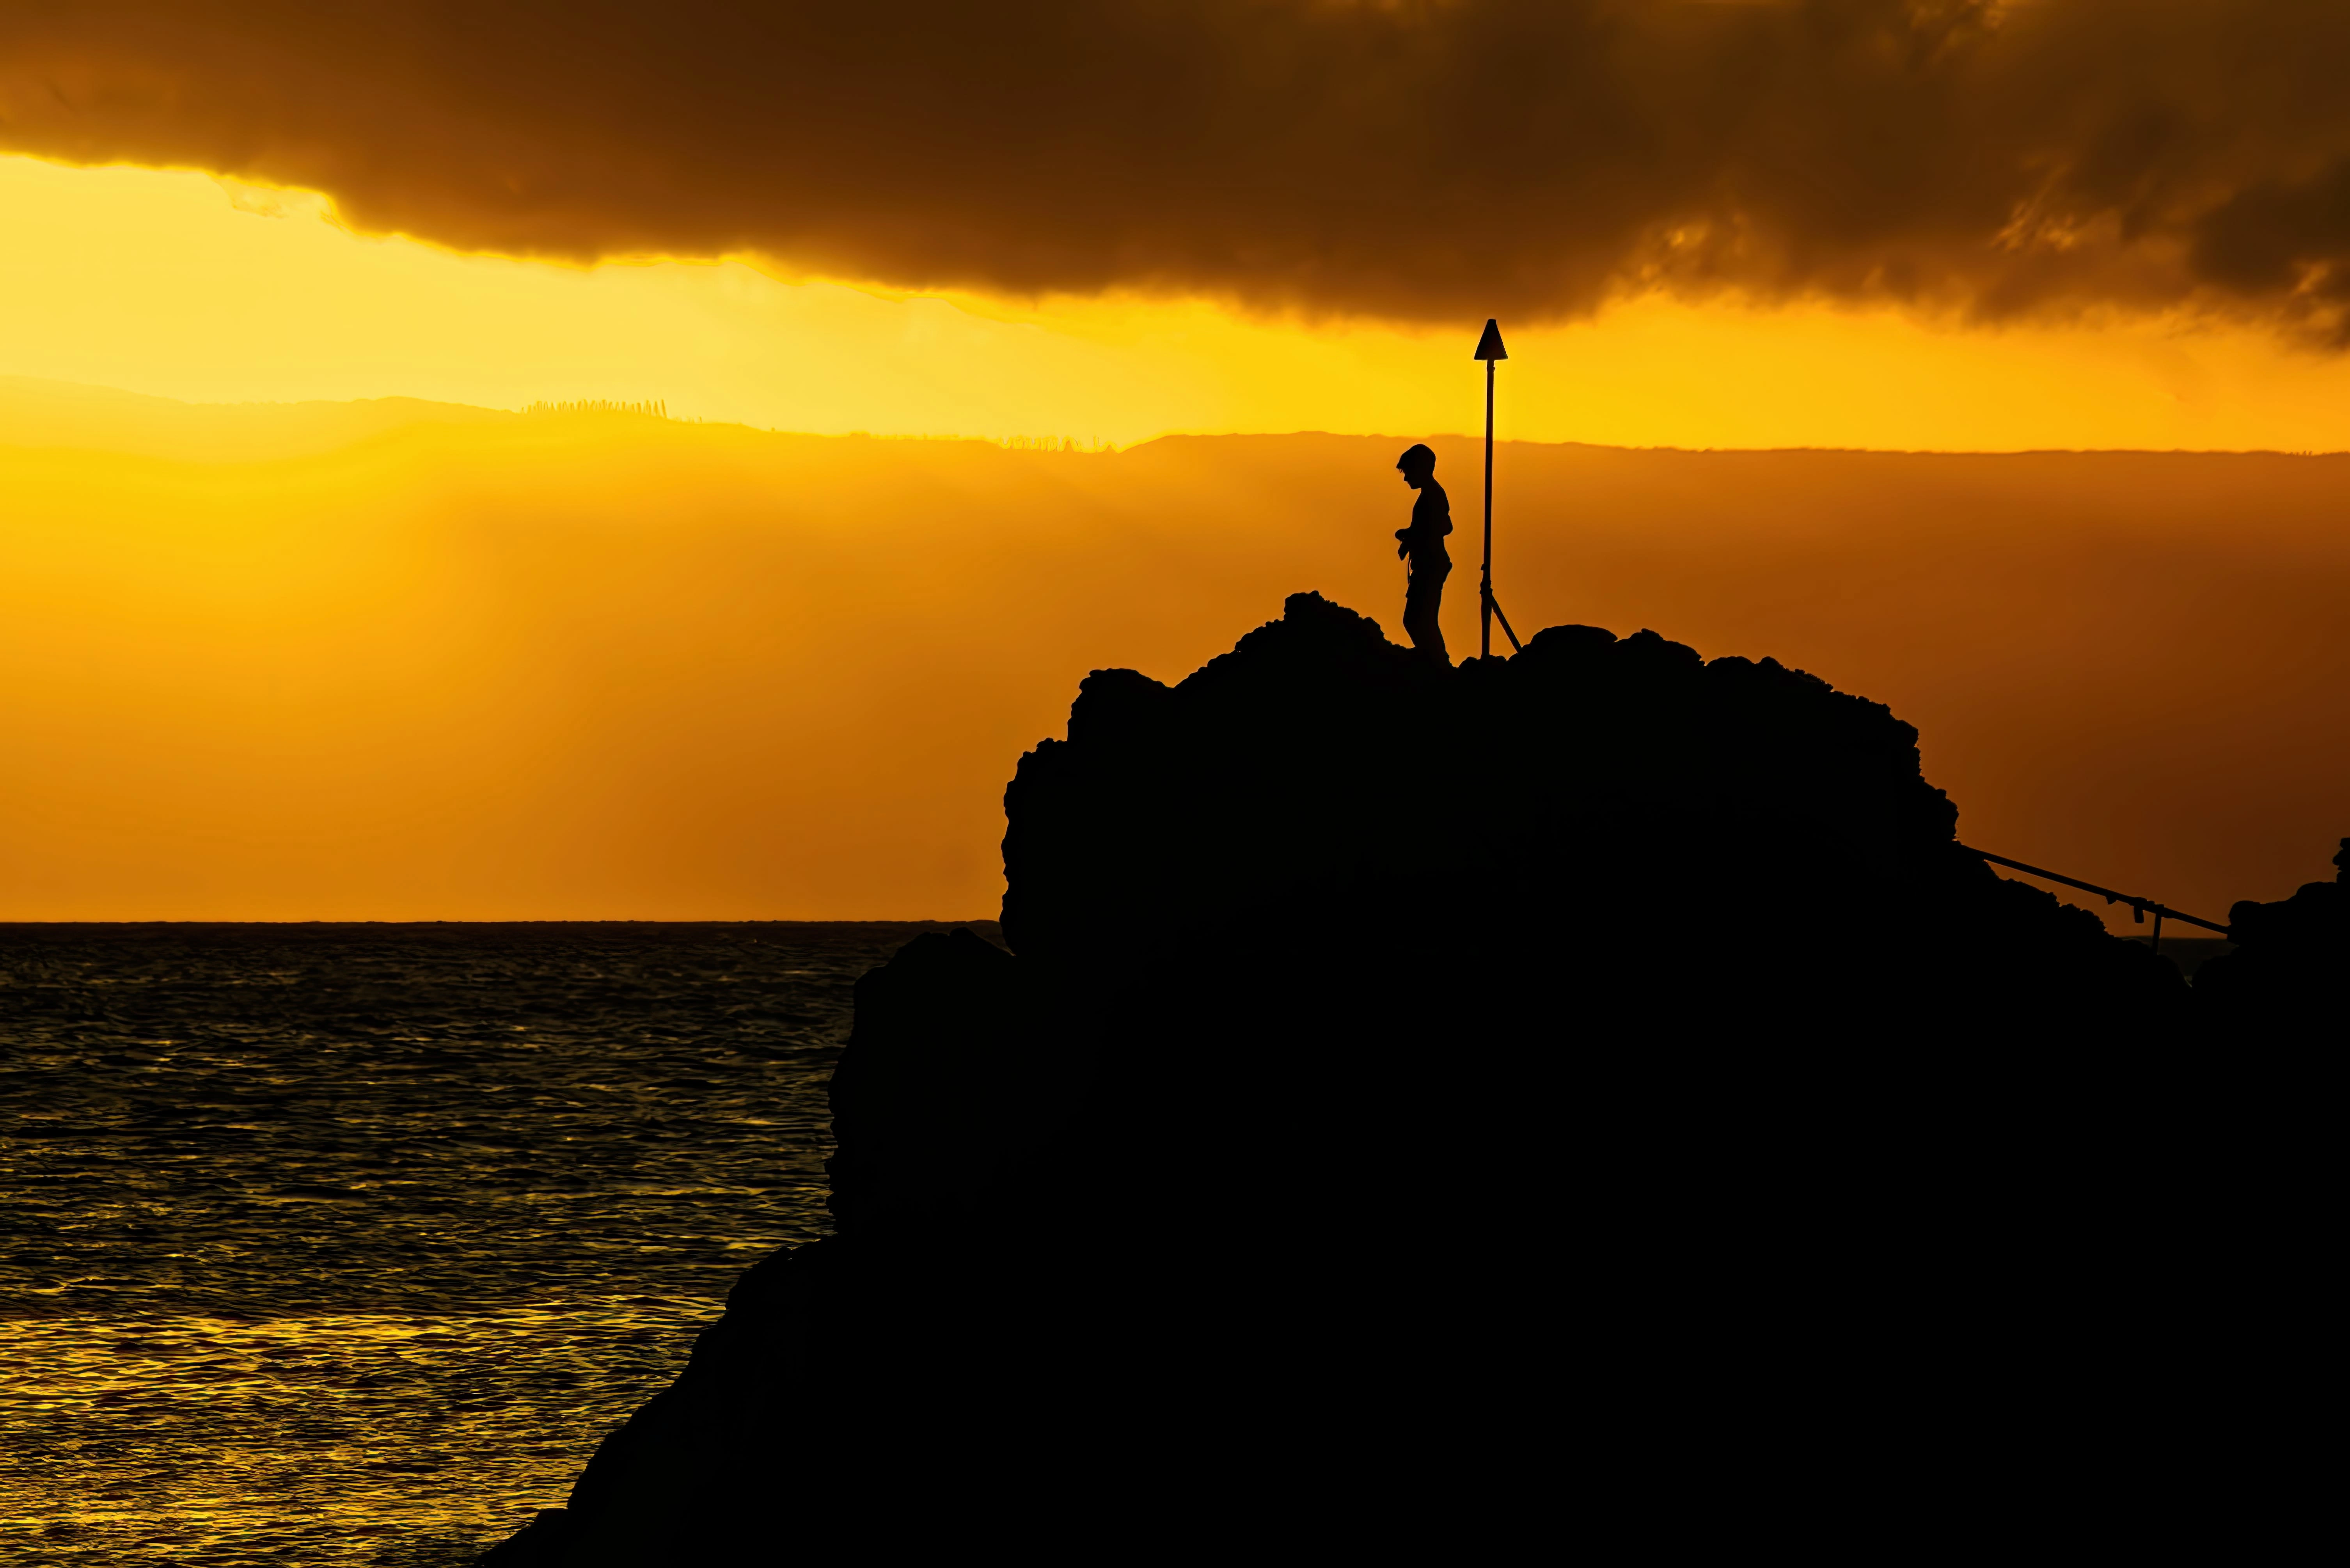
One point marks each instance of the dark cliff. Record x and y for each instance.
(1419, 1094)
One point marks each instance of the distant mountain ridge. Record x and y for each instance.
(38, 412)
(42, 413)
(476, 650)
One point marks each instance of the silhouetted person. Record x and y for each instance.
(1422, 544)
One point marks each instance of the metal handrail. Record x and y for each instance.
(2138, 907)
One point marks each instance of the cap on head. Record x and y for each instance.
(1418, 456)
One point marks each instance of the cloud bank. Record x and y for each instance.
(1406, 159)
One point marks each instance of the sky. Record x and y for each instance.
(613, 667)
(183, 285)
(1401, 159)
(1891, 225)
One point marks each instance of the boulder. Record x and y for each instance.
(2289, 974)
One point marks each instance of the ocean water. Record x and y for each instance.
(329, 1245)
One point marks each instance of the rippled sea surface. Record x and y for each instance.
(329, 1245)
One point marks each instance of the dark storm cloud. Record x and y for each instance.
(1408, 160)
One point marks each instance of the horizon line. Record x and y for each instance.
(1062, 444)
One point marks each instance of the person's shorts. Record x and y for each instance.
(1426, 582)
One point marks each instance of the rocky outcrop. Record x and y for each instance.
(1612, 834)
(1412, 1092)
(2290, 972)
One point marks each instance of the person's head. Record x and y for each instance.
(1418, 465)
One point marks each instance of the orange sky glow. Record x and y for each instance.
(183, 286)
(411, 661)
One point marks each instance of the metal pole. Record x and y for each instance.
(1485, 596)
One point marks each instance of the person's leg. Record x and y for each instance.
(1421, 622)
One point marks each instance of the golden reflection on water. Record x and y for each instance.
(344, 1245)
(323, 1441)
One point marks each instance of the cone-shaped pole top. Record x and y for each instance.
(1489, 346)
